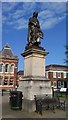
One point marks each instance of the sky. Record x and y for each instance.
(52, 18)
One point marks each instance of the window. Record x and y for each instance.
(5, 82)
(12, 68)
(1, 67)
(54, 74)
(62, 84)
(11, 82)
(64, 74)
(59, 84)
(6, 68)
(55, 84)
(59, 75)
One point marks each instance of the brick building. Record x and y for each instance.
(20, 75)
(58, 74)
(8, 68)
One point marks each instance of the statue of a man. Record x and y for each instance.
(34, 31)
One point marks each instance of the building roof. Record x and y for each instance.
(57, 67)
(6, 51)
(21, 72)
(6, 54)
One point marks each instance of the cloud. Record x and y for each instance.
(21, 23)
(8, 6)
(50, 23)
(52, 14)
(45, 14)
(56, 7)
(16, 15)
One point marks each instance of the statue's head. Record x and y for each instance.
(35, 14)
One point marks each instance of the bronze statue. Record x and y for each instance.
(34, 31)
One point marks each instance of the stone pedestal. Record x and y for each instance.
(34, 62)
(34, 81)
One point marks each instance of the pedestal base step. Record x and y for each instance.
(28, 105)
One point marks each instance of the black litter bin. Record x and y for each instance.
(16, 99)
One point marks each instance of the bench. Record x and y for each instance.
(45, 102)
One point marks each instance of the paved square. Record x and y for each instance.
(8, 113)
